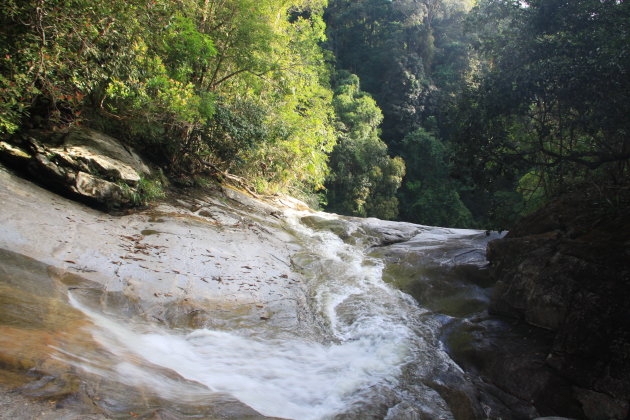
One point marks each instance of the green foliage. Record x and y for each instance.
(550, 110)
(236, 85)
(243, 86)
(236, 129)
(145, 192)
(410, 55)
(148, 190)
(414, 58)
(50, 61)
(529, 189)
(188, 52)
(273, 123)
(363, 179)
(428, 195)
(388, 177)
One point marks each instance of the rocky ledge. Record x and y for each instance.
(81, 163)
(566, 270)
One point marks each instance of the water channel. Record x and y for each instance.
(345, 321)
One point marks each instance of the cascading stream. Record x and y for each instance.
(221, 306)
(277, 377)
(369, 322)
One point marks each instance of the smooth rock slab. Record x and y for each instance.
(166, 266)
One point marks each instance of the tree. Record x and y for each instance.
(428, 195)
(41, 45)
(199, 85)
(363, 179)
(413, 57)
(552, 105)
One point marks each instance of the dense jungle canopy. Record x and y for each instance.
(444, 112)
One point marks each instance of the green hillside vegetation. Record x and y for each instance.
(496, 106)
(239, 85)
(550, 112)
(446, 112)
(364, 178)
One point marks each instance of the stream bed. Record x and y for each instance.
(215, 305)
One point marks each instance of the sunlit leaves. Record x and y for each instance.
(364, 179)
(237, 84)
(188, 51)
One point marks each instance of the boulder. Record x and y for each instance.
(566, 268)
(82, 163)
(13, 155)
(102, 191)
(103, 154)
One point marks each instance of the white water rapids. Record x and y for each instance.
(292, 378)
(211, 304)
(373, 331)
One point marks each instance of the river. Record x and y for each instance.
(220, 306)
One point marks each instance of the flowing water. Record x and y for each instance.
(370, 338)
(371, 350)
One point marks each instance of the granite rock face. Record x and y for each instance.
(213, 260)
(83, 163)
(566, 269)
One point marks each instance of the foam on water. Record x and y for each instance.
(277, 377)
(292, 378)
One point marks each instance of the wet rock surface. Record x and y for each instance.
(134, 306)
(366, 231)
(506, 361)
(509, 363)
(158, 256)
(165, 266)
(143, 314)
(443, 269)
